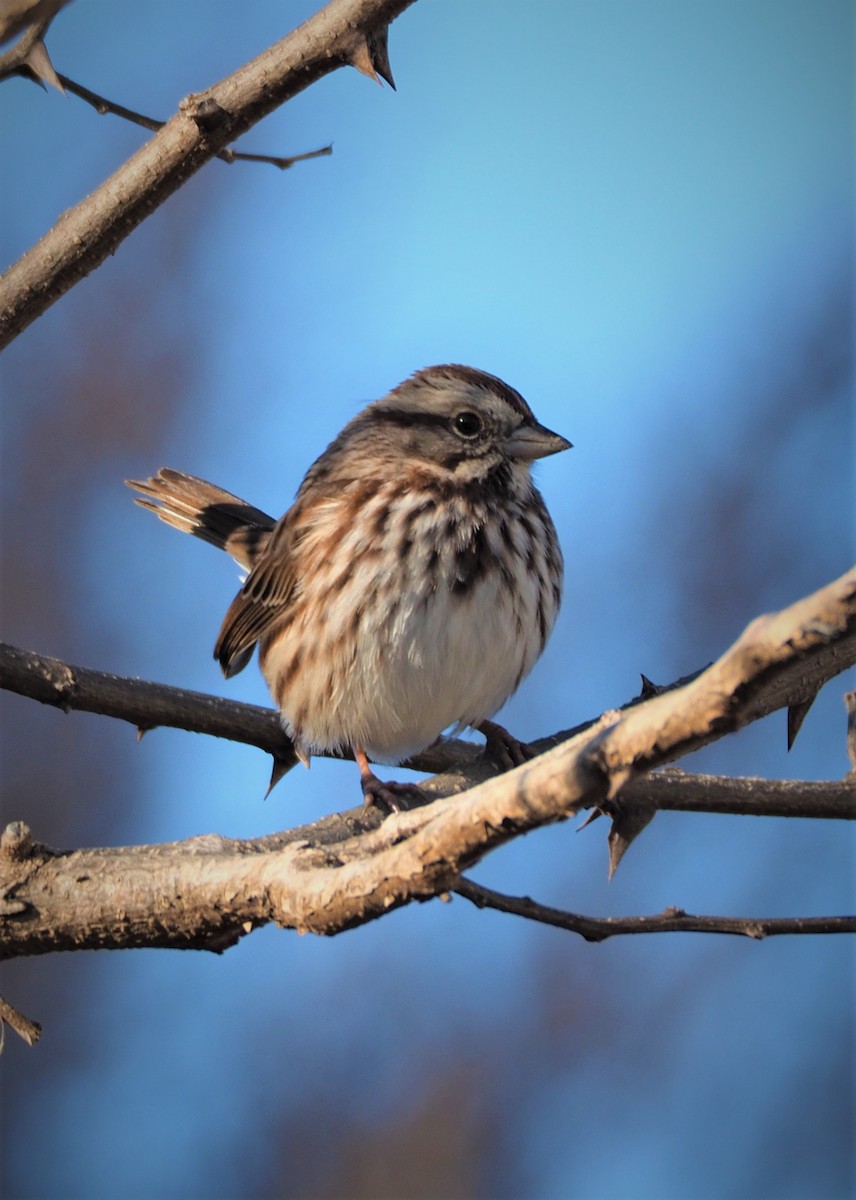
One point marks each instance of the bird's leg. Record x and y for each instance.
(394, 796)
(503, 747)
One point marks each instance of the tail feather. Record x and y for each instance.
(208, 512)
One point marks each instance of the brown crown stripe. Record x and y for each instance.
(476, 378)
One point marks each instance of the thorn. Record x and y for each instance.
(649, 689)
(38, 60)
(796, 715)
(626, 827)
(142, 730)
(281, 766)
(593, 816)
(371, 57)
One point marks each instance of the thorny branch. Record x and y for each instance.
(149, 705)
(345, 32)
(102, 106)
(600, 766)
(30, 19)
(352, 867)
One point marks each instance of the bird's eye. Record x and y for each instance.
(467, 424)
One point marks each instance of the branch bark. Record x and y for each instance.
(344, 32)
(351, 868)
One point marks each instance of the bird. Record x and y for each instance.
(409, 588)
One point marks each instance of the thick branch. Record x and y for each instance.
(349, 869)
(345, 31)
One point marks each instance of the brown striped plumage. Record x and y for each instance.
(412, 584)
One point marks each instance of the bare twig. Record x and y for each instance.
(148, 705)
(673, 920)
(102, 106)
(344, 32)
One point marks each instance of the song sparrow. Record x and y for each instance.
(412, 584)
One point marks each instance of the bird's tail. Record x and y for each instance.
(206, 511)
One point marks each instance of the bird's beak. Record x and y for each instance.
(535, 441)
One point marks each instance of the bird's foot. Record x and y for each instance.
(377, 794)
(503, 747)
(396, 797)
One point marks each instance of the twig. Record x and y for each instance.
(102, 105)
(673, 920)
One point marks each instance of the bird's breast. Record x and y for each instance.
(419, 613)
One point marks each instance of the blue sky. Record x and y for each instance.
(640, 215)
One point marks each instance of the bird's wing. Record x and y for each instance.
(262, 601)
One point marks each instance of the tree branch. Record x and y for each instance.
(673, 920)
(672, 790)
(344, 32)
(102, 105)
(148, 705)
(351, 868)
